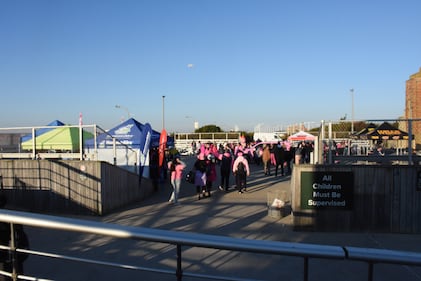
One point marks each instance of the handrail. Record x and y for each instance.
(172, 237)
(178, 238)
(384, 256)
(375, 158)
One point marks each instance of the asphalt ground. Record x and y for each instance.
(224, 213)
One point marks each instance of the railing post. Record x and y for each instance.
(370, 271)
(410, 162)
(330, 161)
(305, 269)
(13, 245)
(179, 272)
(34, 145)
(114, 151)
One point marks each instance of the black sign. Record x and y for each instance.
(327, 190)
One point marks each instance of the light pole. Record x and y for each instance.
(125, 109)
(352, 113)
(163, 112)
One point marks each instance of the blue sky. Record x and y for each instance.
(233, 63)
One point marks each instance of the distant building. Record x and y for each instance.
(413, 104)
(10, 142)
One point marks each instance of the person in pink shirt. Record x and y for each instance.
(241, 171)
(176, 168)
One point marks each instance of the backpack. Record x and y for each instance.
(226, 162)
(190, 176)
(241, 169)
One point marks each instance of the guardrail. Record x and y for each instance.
(386, 159)
(180, 239)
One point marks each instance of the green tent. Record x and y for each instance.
(62, 138)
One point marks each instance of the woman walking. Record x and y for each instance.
(266, 159)
(241, 171)
(200, 175)
(226, 165)
(176, 168)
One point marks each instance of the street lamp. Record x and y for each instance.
(125, 109)
(163, 112)
(352, 113)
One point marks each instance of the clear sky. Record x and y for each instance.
(232, 63)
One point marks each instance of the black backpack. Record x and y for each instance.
(226, 162)
(241, 169)
(190, 176)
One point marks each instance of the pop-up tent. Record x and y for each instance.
(64, 138)
(301, 136)
(41, 131)
(387, 131)
(129, 139)
(128, 133)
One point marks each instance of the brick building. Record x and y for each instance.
(413, 104)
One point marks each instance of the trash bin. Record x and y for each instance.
(276, 201)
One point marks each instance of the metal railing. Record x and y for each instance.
(402, 142)
(182, 239)
(117, 148)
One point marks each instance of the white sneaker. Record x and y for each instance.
(221, 188)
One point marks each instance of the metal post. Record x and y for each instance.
(305, 269)
(34, 145)
(114, 151)
(163, 112)
(370, 271)
(13, 245)
(410, 142)
(321, 144)
(330, 143)
(80, 142)
(352, 114)
(95, 142)
(179, 272)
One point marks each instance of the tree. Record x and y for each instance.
(209, 129)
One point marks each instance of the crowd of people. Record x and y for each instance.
(234, 159)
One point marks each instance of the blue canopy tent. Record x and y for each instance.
(129, 138)
(42, 130)
(129, 133)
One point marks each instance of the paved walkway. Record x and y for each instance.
(225, 213)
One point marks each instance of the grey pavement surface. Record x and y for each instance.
(224, 213)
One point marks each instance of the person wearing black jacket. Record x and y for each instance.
(279, 152)
(226, 166)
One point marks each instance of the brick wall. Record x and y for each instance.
(413, 103)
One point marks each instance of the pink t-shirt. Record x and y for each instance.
(178, 172)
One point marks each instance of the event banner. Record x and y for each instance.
(327, 190)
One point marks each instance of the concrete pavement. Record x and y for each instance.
(225, 213)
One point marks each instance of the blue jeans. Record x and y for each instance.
(176, 190)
